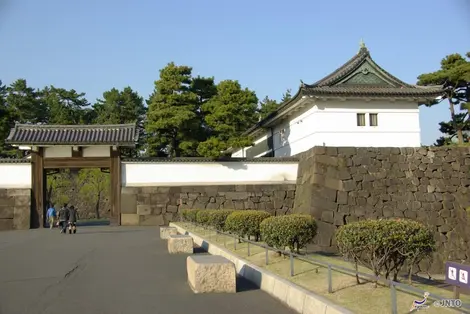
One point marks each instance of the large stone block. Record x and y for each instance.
(130, 220)
(22, 217)
(180, 244)
(6, 211)
(19, 192)
(6, 224)
(209, 273)
(166, 232)
(128, 203)
(151, 220)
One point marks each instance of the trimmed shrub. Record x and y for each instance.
(246, 222)
(202, 216)
(190, 215)
(385, 245)
(218, 217)
(294, 231)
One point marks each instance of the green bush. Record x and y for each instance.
(385, 245)
(190, 215)
(294, 231)
(202, 216)
(246, 222)
(218, 217)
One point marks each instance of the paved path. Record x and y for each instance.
(118, 270)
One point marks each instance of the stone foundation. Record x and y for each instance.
(338, 185)
(211, 273)
(180, 244)
(15, 209)
(158, 206)
(166, 232)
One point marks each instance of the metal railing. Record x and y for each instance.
(393, 285)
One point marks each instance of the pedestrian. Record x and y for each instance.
(73, 217)
(63, 218)
(51, 216)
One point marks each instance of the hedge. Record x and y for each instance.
(190, 215)
(202, 216)
(246, 222)
(385, 245)
(218, 217)
(294, 231)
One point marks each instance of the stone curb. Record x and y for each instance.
(297, 298)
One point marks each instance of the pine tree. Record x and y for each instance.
(228, 114)
(172, 114)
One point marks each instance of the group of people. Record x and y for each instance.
(66, 217)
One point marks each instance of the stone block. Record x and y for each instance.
(23, 200)
(209, 273)
(22, 217)
(128, 203)
(6, 211)
(130, 220)
(166, 232)
(180, 244)
(6, 224)
(151, 220)
(144, 210)
(19, 192)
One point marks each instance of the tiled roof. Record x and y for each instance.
(14, 161)
(211, 160)
(360, 76)
(117, 134)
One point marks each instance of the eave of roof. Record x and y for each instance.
(211, 160)
(326, 88)
(125, 135)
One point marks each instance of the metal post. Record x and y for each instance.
(330, 280)
(267, 258)
(393, 292)
(248, 248)
(291, 264)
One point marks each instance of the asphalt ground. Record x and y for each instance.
(108, 269)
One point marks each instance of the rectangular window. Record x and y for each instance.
(373, 119)
(361, 119)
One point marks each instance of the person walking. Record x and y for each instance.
(51, 216)
(73, 217)
(63, 218)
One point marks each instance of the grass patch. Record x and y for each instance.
(363, 298)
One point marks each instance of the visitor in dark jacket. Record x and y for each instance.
(73, 217)
(63, 218)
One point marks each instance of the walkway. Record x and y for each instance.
(100, 270)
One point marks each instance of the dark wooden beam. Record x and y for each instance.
(115, 172)
(77, 153)
(38, 184)
(77, 162)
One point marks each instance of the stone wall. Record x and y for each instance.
(153, 206)
(430, 185)
(15, 209)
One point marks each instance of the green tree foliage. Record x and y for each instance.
(454, 75)
(172, 114)
(121, 107)
(267, 106)
(6, 123)
(25, 103)
(93, 185)
(63, 106)
(57, 186)
(286, 96)
(228, 114)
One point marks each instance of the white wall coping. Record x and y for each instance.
(297, 298)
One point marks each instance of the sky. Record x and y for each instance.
(268, 46)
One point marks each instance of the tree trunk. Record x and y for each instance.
(452, 115)
(97, 207)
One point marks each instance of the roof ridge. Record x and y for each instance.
(74, 126)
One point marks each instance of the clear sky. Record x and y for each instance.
(269, 46)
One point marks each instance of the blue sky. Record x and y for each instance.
(94, 45)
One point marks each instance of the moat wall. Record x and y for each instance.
(338, 185)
